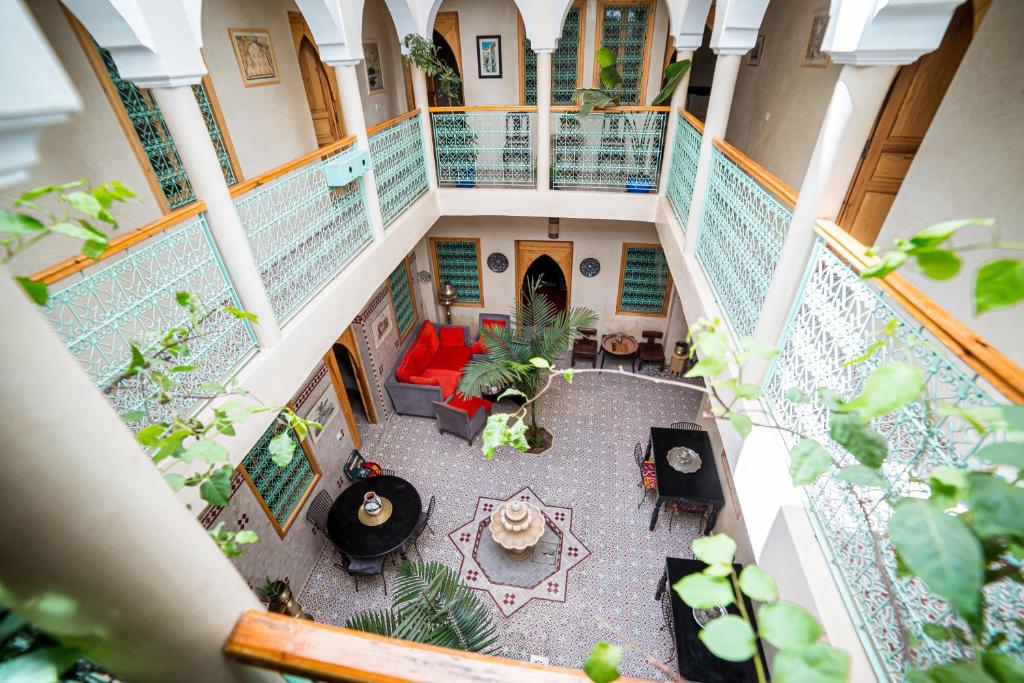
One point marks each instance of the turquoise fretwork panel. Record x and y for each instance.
(280, 488)
(836, 317)
(624, 32)
(401, 298)
(683, 169)
(564, 63)
(613, 151)
(485, 148)
(400, 167)
(741, 233)
(302, 232)
(458, 262)
(645, 278)
(129, 299)
(156, 140)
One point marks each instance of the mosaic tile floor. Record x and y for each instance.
(590, 468)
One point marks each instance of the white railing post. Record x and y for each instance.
(419, 93)
(678, 102)
(544, 119)
(355, 123)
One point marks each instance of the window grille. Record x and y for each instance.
(624, 31)
(458, 261)
(564, 63)
(402, 298)
(643, 287)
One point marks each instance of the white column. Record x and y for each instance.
(856, 100)
(588, 34)
(188, 129)
(355, 123)
(87, 518)
(419, 93)
(678, 102)
(544, 120)
(727, 67)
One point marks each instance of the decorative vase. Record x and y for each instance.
(371, 503)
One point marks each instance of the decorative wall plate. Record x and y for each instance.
(424, 276)
(590, 267)
(497, 262)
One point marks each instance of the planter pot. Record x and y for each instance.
(465, 177)
(285, 604)
(639, 185)
(549, 441)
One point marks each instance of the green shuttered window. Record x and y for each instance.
(458, 261)
(402, 298)
(643, 288)
(279, 490)
(624, 30)
(564, 63)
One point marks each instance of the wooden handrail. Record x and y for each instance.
(390, 122)
(332, 653)
(991, 364)
(315, 155)
(771, 182)
(523, 107)
(78, 262)
(694, 121)
(611, 110)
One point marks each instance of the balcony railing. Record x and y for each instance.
(301, 230)
(683, 168)
(490, 146)
(616, 150)
(102, 308)
(399, 163)
(746, 214)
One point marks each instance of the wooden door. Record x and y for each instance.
(447, 24)
(909, 108)
(527, 251)
(319, 83)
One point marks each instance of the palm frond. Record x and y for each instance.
(377, 621)
(478, 375)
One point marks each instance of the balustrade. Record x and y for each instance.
(493, 146)
(396, 150)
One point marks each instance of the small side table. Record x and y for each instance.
(677, 365)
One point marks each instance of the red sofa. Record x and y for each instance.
(430, 368)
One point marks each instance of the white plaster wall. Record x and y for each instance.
(269, 124)
(91, 144)
(778, 105)
(602, 240)
(493, 17)
(971, 164)
(379, 28)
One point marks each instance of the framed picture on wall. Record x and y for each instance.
(325, 408)
(381, 326)
(488, 56)
(813, 56)
(374, 72)
(255, 56)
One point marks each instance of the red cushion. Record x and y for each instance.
(649, 474)
(418, 379)
(452, 336)
(468, 404)
(450, 358)
(448, 380)
(428, 337)
(479, 346)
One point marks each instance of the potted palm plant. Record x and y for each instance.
(537, 330)
(278, 595)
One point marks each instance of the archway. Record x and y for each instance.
(551, 261)
(319, 84)
(449, 51)
(552, 281)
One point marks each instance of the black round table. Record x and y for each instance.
(354, 538)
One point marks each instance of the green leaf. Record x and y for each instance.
(786, 625)
(282, 449)
(742, 423)
(176, 481)
(869, 352)
(606, 57)
(610, 76)
(729, 638)
(602, 666)
(957, 672)
(79, 232)
(715, 549)
(889, 386)
(937, 632)
(84, 202)
(207, 451)
(94, 249)
(942, 551)
(211, 388)
(494, 433)
(1007, 453)
(818, 662)
(37, 291)
(859, 475)
(797, 396)
(673, 76)
(757, 584)
(246, 536)
(863, 442)
(939, 264)
(889, 261)
(807, 461)
(707, 367)
(934, 235)
(150, 436)
(997, 508)
(217, 489)
(515, 436)
(242, 315)
(753, 346)
(998, 284)
(19, 224)
(718, 569)
(948, 485)
(35, 193)
(42, 665)
(1003, 666)
(703, 591)
(568, 376)
(539, 362)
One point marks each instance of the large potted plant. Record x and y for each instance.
(537, 330)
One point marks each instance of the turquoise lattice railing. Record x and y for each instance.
(282, 489)
(836, 317)
(607, 150)
(683, 169)
(302, 232)
(485, 147)
(130, 300)
(400, 166)
(564, 63)
(742, 229)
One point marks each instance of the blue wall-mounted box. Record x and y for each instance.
(346, 167)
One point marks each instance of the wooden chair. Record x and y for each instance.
(648, 478)
(586, 347)
(651, 350)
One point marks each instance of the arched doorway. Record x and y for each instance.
(449, 50)
(318, 83)
(551, 261)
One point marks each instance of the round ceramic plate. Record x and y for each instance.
(683, 459)
(497, 262)
(705, 616)
(590, 267)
